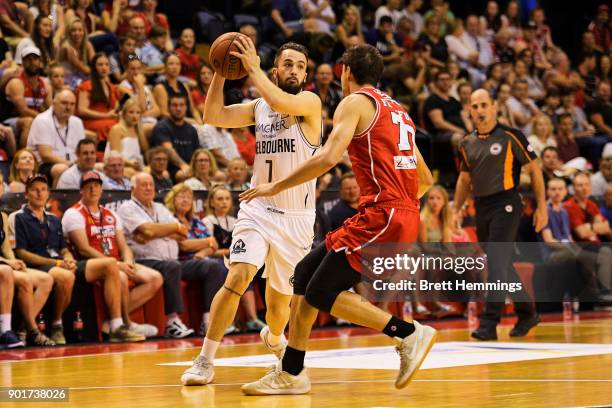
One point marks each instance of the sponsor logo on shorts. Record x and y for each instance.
(291, 280)
(274, 210)
(239, 247)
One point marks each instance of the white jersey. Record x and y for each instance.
(281, 147)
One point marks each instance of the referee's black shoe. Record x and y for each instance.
(522, 327)
(485, 332)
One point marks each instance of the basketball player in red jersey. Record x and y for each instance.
(392, 175)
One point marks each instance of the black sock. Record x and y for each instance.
(293, 360)
(398, 328)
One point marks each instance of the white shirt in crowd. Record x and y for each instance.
(133, 214)
(212, 138)
(63, 140)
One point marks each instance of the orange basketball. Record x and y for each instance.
(226, 65)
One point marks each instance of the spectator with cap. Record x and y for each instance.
(54, 136)
(85, 162)
(113, 172)
(95, 232)
(153, 234)
(26, 95)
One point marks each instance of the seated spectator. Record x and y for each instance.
(350, 32)
(442, 112)
(600, 27)
(119, 60)
(15, 20)
(32, 289)
(490, 22)
(85, 162)
(604, 69)
(606, 207)
(55, 134)
(321, 12)
(220, 222)
(153, 234)
(409, 80)
(194, 251)
(220, 143)
(602, 180)
(135, 86)
(552, 101)
(43, 38)
(543, 134)
(153, 53)
(190, 61)
(287, 16)
(152, 18)
(411, 11)
(245, 142)
(587, 64)
(528, 41)
(171, 86)
(483, 56)
(522, 108)
(116, 17)
(203, 168)
(386, 41)
(558, 238)
(552, 166)
(82, 9)
(57, 77)
(203, 80)
(329, 93)
(138, 31)
(99, 100)
(511, 19)
(503, 113)
(39, 242)
(127, 137)
(157, 157)
(23, 166)
(237, 173)
(26, 95)
(265, 50)
(587, 223)
(348, 203)
(113, 172)
(599, 111)
(589, 146)
(75, 54)
(432, 38)
(504, 52)
(95, 232)
(53, 10)
(178, 136)
(535, 87)
(581, 125)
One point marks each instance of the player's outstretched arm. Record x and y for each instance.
(346, 119)
(303, 104)
(219, 115)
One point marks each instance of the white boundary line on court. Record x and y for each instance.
(257, 342)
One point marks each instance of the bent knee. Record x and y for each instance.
(238, 279)
(320, 298)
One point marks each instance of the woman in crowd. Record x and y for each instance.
(195, 250)
(98, 100)
(190, 61)
(135, 86)
(152, 17)
(536, 88)
(57, 78)
(170, 86)
(23, 166)
(543, 134)
(76, 53)
(512, 20)
(349, 32)
(116, 17)
(436, 43)
(43, 38)
(491, 21)
(52, 10)
(203, 80)
(221, 222)
(203, 169)
(127, 137)
(604, 69)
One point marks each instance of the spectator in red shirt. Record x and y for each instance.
(245, 142)
(586, 222)
(190, 61)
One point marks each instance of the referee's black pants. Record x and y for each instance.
(497, 220)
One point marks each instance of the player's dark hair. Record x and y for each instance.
(365, 62)
(290, 46)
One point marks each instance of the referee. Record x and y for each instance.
(491, 161)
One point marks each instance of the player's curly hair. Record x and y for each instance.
(365, 62)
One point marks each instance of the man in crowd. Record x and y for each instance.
(586, 221)
(158, 163)
(349, 201)
(39, 242)
(113, 172)
(54, 136)
(95, 232)
(85, 162)
(178, 136)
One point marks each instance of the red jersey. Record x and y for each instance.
(383, 156)
(101, 231)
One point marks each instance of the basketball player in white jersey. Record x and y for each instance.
(276, 231)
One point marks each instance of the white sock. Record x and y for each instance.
(57, 322)
(273, 339)
(5, 322)
(115, 324)
(209, 348)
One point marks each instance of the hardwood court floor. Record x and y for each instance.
(134, 379)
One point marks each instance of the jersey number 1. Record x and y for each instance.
(406, 132)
